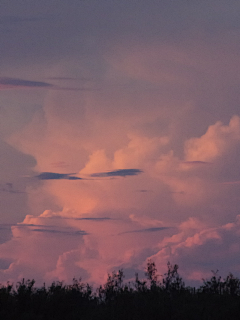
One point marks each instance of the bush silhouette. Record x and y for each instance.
(150, 298)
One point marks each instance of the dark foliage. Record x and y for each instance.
(169, 299)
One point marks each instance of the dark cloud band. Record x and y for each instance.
(54, 231)
(70, 176)
(44, 228)
(118, 173)
(13, 82)
(56, 176)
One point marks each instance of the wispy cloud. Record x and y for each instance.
(93, 219)
(55, 231)
(23, 225)
(44, 228)
(59, 164)
(118, 173)
(69, 79)
(146, 230)
(73, 218)
(196, 163)
(231, 182)
(177, 192)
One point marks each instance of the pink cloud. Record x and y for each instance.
(217, 141)
(126, 124)
(219, 244)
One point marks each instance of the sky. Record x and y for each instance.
(119, 138)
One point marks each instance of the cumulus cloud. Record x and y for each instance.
(151, 224)
(83, 248)
(218, 141)
(166, 107)
(198, 247)
(38, 232)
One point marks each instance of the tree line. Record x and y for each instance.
(151, 299)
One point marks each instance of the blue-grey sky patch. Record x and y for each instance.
(8, 187)
(5, 20)
(4, 264)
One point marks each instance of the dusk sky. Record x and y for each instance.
(119, 138)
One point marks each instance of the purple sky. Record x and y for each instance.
(119, 138)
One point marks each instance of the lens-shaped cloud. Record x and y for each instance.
(14, 82)
(69, 176)
(118, 173)
(11, 83)
(56, 176)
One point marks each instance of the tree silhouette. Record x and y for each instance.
(143, 299)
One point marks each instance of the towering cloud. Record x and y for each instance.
(139, 159)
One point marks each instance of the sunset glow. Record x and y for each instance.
(119, 138)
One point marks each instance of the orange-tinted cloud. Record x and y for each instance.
(147, 115)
